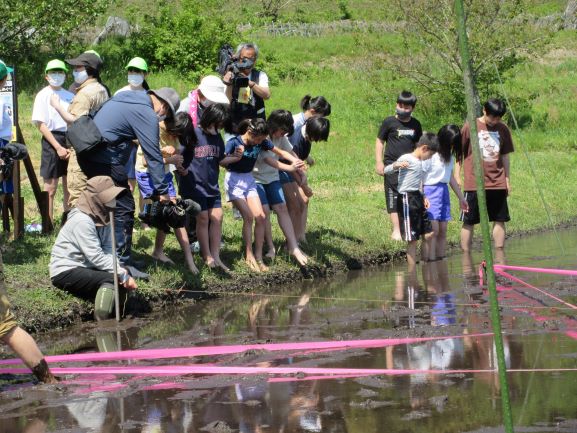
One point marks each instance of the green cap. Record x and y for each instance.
(93, 52)
(56, 64)
(138, 63)
(4, 70)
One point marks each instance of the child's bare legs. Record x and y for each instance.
(182, 238)
(430, 242)
(268, 232)
(441, 240)
(25, 347)
(467, 232)
(158, 251)
(295, 205)
(202, 234)
(396, 234)
(251, 210)
(302, 235)
(215, 235)
(50, 186)
(499, 234)
(412, 253)
(284, 221)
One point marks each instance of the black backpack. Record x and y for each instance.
(83, 135)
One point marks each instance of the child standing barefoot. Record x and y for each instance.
(199, 181)
(411, 203)
(241, 187)
(439, 173)
(170, 132)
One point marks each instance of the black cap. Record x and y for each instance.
(86, 59)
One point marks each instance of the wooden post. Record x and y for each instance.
(40, 196)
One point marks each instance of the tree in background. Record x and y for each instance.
(29, 25)
(500, 33)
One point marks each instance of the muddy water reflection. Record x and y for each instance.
(438, 299)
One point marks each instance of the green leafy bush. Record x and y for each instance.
(186, 40)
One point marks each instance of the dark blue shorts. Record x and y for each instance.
(285, 177)
(6, 186)
(270, 193)
(207, 203)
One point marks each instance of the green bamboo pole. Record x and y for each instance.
(479, 175)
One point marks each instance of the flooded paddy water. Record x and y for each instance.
(442, 382)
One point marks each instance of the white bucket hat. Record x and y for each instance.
(213, 89)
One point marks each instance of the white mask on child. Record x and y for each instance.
(80, 76)
(56, 79)
(135, 80)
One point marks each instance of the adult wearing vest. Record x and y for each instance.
(250, 101)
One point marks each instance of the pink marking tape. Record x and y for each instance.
(184, 352)
(518, 280)
(538, 270)
(177, 370)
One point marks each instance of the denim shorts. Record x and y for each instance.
(147, 188)
(270, 193)
(285, 177)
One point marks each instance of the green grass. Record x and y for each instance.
(346, 220)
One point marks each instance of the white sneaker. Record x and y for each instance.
(195, 247)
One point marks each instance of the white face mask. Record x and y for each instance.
(135, 80)
(56, 79)
(80, 76)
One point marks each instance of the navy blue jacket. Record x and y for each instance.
(125, 117)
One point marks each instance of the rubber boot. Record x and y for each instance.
(104, 302)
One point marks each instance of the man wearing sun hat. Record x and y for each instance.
(125, 117)
(210, 91)
(55, 152)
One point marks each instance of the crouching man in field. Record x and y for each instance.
(81, 261)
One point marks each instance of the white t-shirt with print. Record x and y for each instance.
(437, 171)
(44, 112)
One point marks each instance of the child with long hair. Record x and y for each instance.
(438, 175)
(199, 181)
(266, 174)
(241, 187)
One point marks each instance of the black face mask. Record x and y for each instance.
(402, 114)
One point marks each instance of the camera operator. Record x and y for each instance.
(247, 88)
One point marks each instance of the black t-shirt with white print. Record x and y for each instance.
(400, 138)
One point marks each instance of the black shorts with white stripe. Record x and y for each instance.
(413, 218)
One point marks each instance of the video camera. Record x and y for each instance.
(227, 61)
(8, 154)
(163, 216)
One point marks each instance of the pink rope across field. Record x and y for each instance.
(538, 270)
(185, 352)
(177, 370)
(543, 292)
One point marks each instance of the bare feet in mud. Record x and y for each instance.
(162, 258)
(299, 256)
(262, 266)
(271, 254)
(216, 263)
(253, 264)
